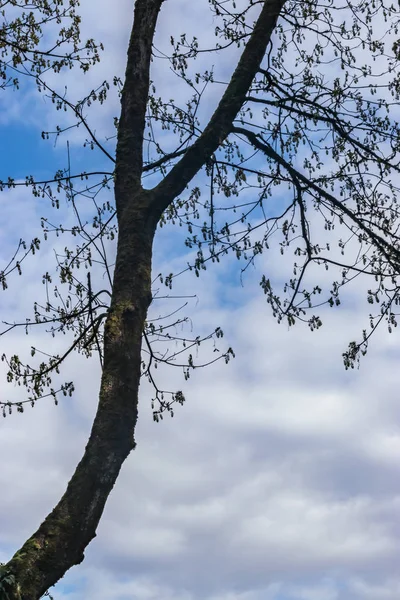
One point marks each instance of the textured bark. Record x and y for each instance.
(60, 541)
(129, 164)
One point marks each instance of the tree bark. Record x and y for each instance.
(61, 539)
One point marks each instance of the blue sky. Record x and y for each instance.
(279, 477)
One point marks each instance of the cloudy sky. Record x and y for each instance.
(279, 477)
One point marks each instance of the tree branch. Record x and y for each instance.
(231, 102)
(129, 153)
(387, 249)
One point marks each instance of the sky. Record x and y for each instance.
(279, 477)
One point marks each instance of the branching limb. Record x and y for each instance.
(231, 102)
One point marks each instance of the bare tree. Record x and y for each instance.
(305, 118)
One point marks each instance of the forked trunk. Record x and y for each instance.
(60, 541)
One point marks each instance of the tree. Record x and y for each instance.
(328, 140)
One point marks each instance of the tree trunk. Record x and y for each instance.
(61, 539)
